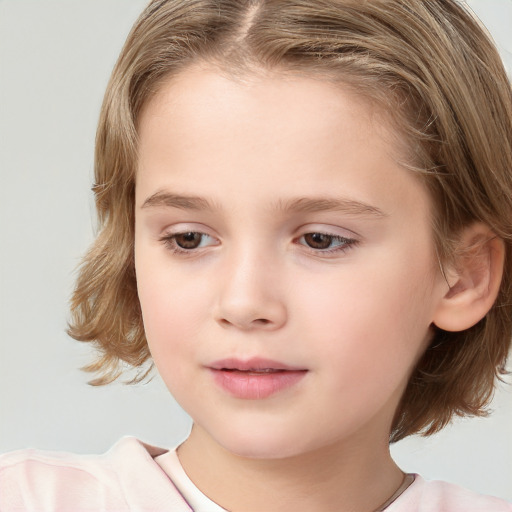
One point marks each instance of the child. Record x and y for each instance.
(306, 223)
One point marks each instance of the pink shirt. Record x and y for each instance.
(128, 478)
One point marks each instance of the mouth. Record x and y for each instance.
(253, 371)
(254, 365)
(255, 379)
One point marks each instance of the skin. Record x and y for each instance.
(356, 318)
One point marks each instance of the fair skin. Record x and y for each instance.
(342, 292)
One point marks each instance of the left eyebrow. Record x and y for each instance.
(321, 204)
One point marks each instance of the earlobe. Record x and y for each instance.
(473, 280)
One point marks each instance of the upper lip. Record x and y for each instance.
(255, 363)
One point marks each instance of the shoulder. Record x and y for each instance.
(126, 475)
(436, 496)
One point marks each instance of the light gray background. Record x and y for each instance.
(55, 60)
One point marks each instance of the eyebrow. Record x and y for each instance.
(296, 205)
(166, 199)
(321, 204)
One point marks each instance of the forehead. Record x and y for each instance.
(204, 128)
(203, 93)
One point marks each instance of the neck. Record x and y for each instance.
(355, 477)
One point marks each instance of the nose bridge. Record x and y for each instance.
(250, 288)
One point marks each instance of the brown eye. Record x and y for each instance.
(318, 240)
(186, 242)
(326, 244)
(190, 240)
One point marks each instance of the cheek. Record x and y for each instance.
(173, 310)
(374, 320)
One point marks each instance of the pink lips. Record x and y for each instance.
(255, 378)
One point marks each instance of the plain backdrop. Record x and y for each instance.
(55, 60)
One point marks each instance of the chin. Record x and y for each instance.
(262, 451)
(263, 444)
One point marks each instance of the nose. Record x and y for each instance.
(251, 296)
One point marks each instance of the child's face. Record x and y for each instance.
(301, 241)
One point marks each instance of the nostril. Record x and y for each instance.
(251, 324)
(262, 321)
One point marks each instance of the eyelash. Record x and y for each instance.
(344, 243)
(170, 242)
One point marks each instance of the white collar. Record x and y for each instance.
(199, 502)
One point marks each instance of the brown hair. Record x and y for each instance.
(433, 68)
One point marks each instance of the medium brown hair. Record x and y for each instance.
(435, 71)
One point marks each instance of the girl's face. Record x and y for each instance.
(285, 261)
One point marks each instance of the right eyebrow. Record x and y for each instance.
(166, 199)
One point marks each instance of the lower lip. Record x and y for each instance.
(256, 386)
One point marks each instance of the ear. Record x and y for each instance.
(473, 280)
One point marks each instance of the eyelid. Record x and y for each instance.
(348, 238)
(186, 227)
(328, 229)
(345, 245)
(168, 238)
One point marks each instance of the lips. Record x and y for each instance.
(254, 371)
(256, 378)
(255, 364)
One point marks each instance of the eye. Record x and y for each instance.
(324, 242)
(187, 241)
(190, 240)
